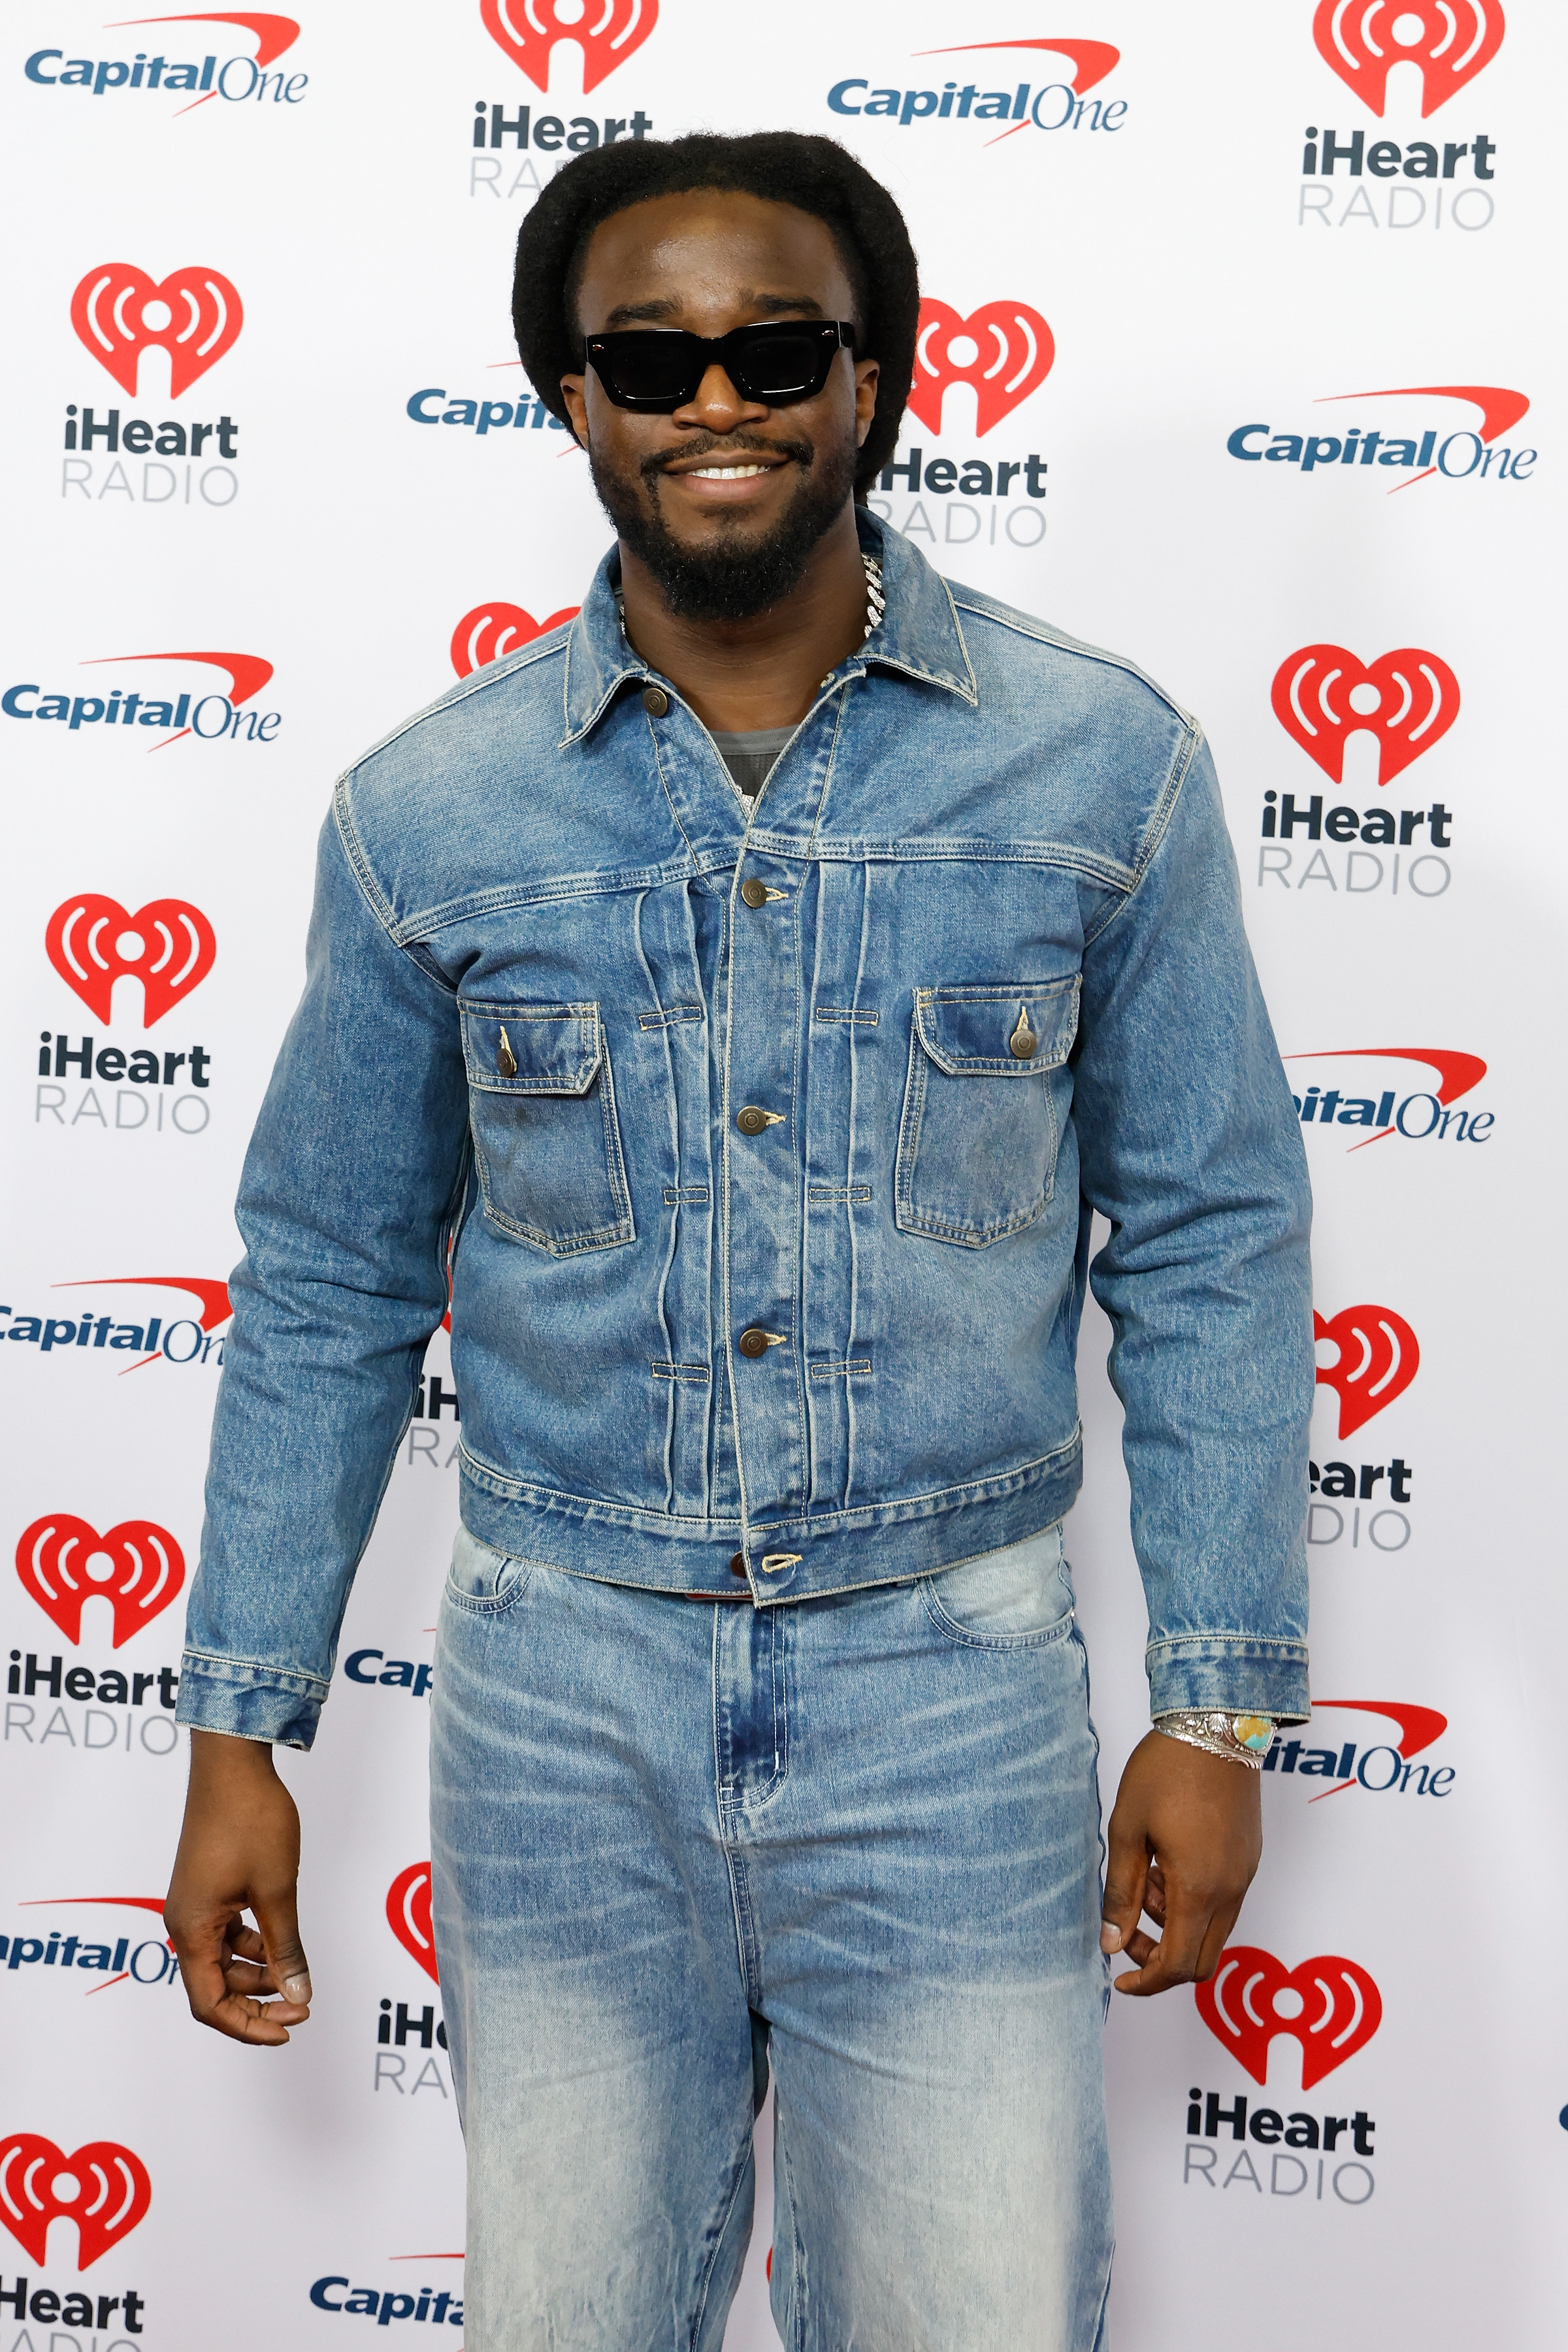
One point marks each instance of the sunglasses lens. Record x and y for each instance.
(657, 370)
(775, 367)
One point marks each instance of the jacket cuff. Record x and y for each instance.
(249, 1701)
(1235, 1671)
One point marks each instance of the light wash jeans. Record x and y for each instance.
(860, 1833)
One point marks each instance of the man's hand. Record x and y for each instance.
(1184, 1841)
(239, 1850)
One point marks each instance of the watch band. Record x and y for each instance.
(1245, 1738)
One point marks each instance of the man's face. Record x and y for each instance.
(725, 498)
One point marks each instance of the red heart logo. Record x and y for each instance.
(1378, 1360)
(524, 30)
(1005, 350)
(119, 312)
(168, 945)
(62, 1562)
(408, 1914)
(1455, 38)
(1408, 699)
(102, 2188)
(491, 630)
(1330, 2005)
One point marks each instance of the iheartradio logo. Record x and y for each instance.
(607, 31)
(1450, 41)
(119, 312)
(63, 1561)
(408, 1914)
(1407, 700)
(1378, 1360)
(1005, 350)
(1330, 2005)
(101, 2186)
(491, 630)
(168, 945)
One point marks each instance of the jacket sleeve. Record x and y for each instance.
(1189, 1144)
(350, 1183)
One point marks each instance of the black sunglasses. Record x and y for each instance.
(661, 368)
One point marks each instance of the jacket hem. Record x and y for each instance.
(248, 1700)
(828, 1552)
(1247, 1671)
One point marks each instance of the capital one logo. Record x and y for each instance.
(1328, 2004)
(408, 1914)
(1450, 41)
(101, 2186)
(491, 630)
(137, 1565)
(1407, 700)
(607, 31)
(119, 312)
(1005, 350)
(1378, 1360)
(168, 945)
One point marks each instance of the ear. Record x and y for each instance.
(573, 391)
(868, 374)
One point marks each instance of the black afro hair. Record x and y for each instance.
(815, 176)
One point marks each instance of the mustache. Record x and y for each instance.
(731, 445)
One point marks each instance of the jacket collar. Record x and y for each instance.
(919, 636)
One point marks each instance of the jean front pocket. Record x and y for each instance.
(542, 1103)
(977, 1142)
(481, 1581)
(1017, 1598)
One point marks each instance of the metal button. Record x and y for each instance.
(1023, 1042)
(506, 1060)
(654, 701)
(754, 893)
(753, 1342)
(738, 1565)
(751, 1121)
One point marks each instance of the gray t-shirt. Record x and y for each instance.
(748, 756)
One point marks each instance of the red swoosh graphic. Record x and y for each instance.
(1092, 61)
(133, 1902)
(1418, 1725)
(273, 33)
(1499, 407)
(247, 673)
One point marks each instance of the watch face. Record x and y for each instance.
(1254, 1731)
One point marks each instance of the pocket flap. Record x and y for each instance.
(968, 1031)
(531, 1049)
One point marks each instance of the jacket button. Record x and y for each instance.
(751, 1121)
(753, 1342)
(738, 1565)
(754, 893)
(654, 701)
(1023, 1042)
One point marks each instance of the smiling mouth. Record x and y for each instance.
(733, 473)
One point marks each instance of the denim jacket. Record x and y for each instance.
(758, 1148)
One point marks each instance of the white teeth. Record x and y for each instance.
(723, 472)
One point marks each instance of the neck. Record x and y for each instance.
(763, 671)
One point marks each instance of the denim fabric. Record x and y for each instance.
(869, 1820)
(996, 977)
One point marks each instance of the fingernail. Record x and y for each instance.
(1109, 1938)
(297, 1988)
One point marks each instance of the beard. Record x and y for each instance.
(729, 575)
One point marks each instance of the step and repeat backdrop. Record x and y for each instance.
(1236, 357)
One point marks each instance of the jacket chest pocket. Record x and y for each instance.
(542, 1104)
(977, 1142)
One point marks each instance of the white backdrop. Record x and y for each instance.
(300, 570)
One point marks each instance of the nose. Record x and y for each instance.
(717, 406)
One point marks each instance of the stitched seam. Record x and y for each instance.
(1180, 768)
(667, 1370)
(845, 1013)
(1042, 634)
(829, 1371)
(293, 1681)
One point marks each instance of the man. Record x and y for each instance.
(752, 988)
